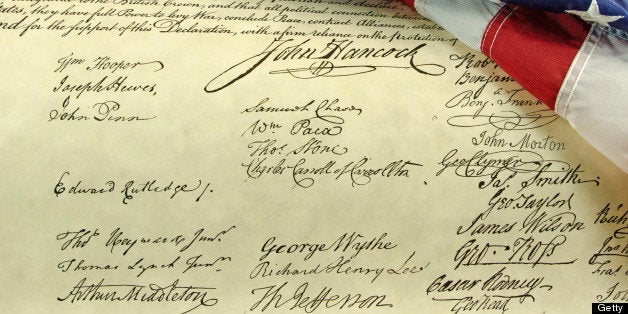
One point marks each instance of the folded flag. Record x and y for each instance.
(577, 68)
(606, 12)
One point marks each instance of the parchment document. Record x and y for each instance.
(308, 156)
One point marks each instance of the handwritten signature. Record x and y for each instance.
(324, 66)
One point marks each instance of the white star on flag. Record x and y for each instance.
(593, 15)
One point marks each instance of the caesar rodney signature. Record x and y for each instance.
(100, 291)
(342, 50)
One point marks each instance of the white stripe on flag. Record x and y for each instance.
(465, 19)
(594, 95)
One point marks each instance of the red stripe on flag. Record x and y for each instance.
(410, 3)
(535, 47)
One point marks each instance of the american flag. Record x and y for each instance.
(571, 54)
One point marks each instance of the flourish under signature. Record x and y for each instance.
(324, 66)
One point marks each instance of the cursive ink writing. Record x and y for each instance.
(280, 50)
(99, 291)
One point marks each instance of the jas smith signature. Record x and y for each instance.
(324, 60)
